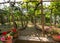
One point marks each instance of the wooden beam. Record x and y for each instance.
(9, 2)
(29, 1)
(50, 0)
(46, 1)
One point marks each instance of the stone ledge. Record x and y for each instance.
(40, 39)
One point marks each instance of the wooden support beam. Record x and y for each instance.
(51, 1)
(46, 1)
(30, 1)
(9, 2)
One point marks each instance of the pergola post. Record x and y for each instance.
(42, 18)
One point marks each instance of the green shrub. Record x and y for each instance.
(47, 24)
(58, 26)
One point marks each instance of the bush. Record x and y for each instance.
(58, 26)
(56, 32)
(47, 24)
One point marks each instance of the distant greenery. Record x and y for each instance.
(30, 11)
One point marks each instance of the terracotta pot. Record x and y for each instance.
(56, 37)
(9, 41)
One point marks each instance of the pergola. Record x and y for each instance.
(41, 2)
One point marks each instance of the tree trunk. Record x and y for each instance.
(51, 18)
(55, 20)
(32, 20)
(42, 18)
(21, 21)
(14, 23)
(2, 19)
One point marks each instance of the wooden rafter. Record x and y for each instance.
(51, 0)
(8, 2)
(31, 1)
(47, 0)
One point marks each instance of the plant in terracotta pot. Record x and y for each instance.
(56, 35)
(5, 37)
(9, 38)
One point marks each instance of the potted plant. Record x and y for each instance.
(56, 35)
(6, 37)
(9, 39)
(2, 37)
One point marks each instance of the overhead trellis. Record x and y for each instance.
(12, 1)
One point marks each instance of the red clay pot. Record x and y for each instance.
(9, 41)
(56, 37)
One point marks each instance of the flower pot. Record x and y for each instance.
(56, 37)
(9, 41)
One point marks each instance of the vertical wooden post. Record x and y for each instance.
(42, 18)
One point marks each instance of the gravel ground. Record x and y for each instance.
(30, 31)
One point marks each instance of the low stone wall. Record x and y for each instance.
(26, 41)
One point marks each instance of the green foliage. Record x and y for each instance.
(47, 24)
(33, 9)
(47, 16)
(37, 12)
(58, 26)
(56, 7)
(26, 0)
